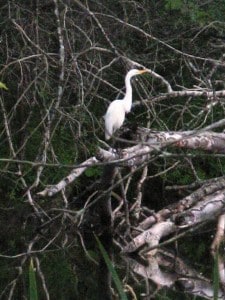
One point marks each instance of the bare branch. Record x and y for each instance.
(75, 173)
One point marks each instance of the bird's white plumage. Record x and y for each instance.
(114, 118)
(116, 111)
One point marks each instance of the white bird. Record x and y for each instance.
(116, 111)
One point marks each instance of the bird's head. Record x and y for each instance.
(134, 72)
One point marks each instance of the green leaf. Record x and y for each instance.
(115, 276)
(174, 4)
(32, 282)
(91, 172)
(3, 86)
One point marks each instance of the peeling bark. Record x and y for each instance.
(141, 153)
(189, 212)
(185, 203)
(208, 209)
(151, 237)
(168, 270)
(205, 140)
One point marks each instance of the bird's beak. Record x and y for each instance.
(143, 71)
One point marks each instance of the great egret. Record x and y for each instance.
(116, 111)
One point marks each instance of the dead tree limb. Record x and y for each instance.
(207, 209)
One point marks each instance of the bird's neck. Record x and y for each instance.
(128, 96)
